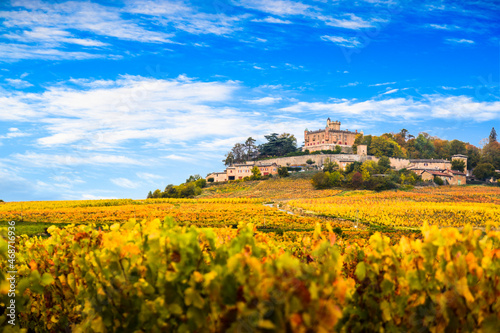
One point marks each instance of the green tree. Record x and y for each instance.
(337, 150)
(157, 194)
(321, 180)
(283, 172)
(250, 149)
(438, 181)
(278, 145)
(493, 135)
(335, 178)
(193, 178)
(424, 145)
(330, 166)
(457, 147)
(473, 157)
(310, 162)
(256, 173)
(150, 195)
(384, 145)
(458, 165)
(484, 171)
(491, 154)
(384, 164)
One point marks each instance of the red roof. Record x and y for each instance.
(438, 173)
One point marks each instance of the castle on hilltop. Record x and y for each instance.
(328, 138)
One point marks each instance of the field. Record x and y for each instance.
(258, 257)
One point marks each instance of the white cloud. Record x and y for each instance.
(57, 160)
(14, 133)
(401, 109)
(265, 100)
(342, 41)
(13, 52)
(83, 16)
(18, 83)
(186, 18)
(124, 182)
(351, 21)
(276, 7)
(459, 41)
(179, 158)
(51, 35)
(273, 20)
(148, 176)
(391, 91)
(381, 84)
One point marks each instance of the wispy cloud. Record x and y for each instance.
(18, 83)
(273, 20)
(43, 160)
(342, 41)
(124, 182)
(381, 84)
(265, 100)
(402, 109)
(276, 7)
(459, 41)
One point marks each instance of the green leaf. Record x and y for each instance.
(361, 271)
(46, 279)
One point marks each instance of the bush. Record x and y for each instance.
(211, 179)
(321, 180)
(357, 180)
(283, 172)
(438, 181)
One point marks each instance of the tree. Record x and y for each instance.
(256, 173)
(211, 180)
(150, 195)
(457, 147)
(310, 162)
(193, 178)
(473, 156)
(493, 135)
(385, 145)
(491, 154)
(321, 180)
(384, 164)
(283, 172)
(330, 166)
(438, 181)
(357, 180)
(336, 178)
(484, 171)
(424, 145)
(230, 159)
(338, 149)
(250, 149)
(157, 194)
(278, 145)
(458, 165)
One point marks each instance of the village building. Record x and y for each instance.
(242, 170)
(328, 138)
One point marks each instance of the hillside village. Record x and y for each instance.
(332, 137)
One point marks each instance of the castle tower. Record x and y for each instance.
(333, 125)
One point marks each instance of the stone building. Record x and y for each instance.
(328, 138)
(240, 171)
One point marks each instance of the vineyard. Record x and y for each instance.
(258, 257)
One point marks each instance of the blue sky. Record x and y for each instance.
(111, 99)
